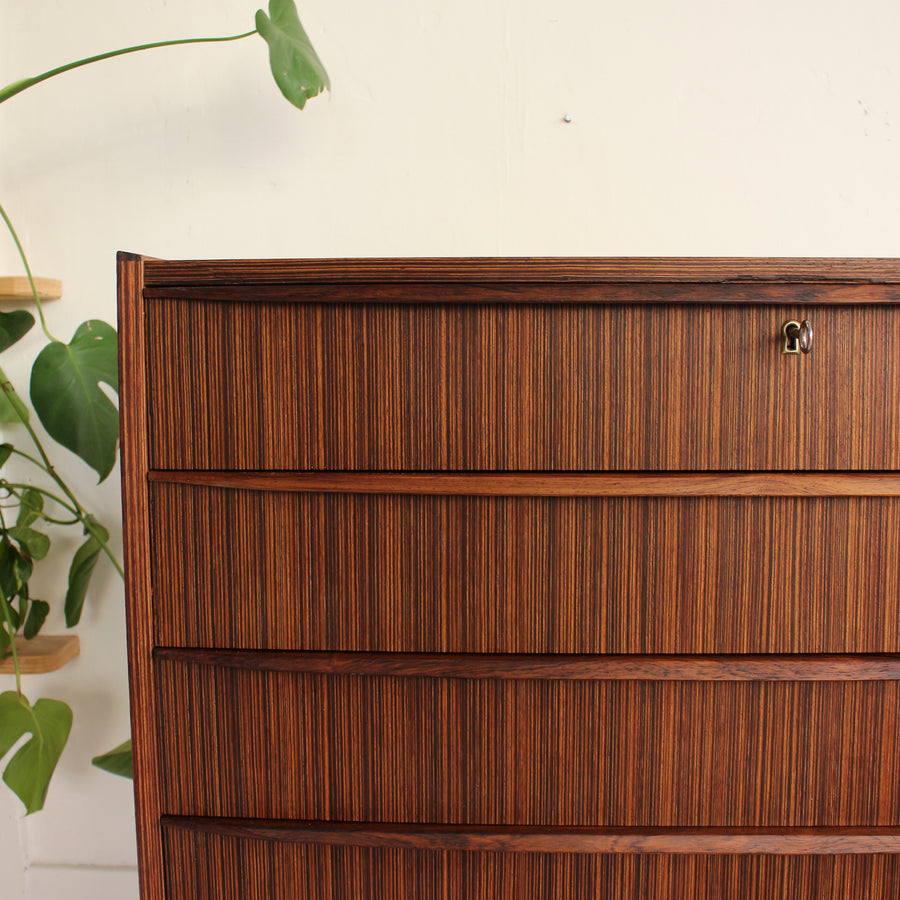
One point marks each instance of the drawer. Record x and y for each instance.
(533, 387)
(503, 574)
(234, 863)
(435, 740)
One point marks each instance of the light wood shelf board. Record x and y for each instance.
(15, 287)
(44, 653)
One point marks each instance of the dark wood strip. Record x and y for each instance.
(429, 293)
(138, 589)
(558, 840)
(522, 269)
(824, 667)
(202, 865)
(532, 484)
(232, 868)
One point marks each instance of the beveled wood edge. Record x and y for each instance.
(138, 588)
(555, 667)
(43, 653)
(541, 484)
(158, 273)
(522, 839)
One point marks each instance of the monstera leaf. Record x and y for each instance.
(13, 326)
(80, 572)
(66, 394)
(117, 761)
(31, 767)
(298, 71)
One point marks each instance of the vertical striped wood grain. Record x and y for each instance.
(138, 587)
(516, 366)
(288, 745)
(512, 387)
(202, 865)
(295, 571)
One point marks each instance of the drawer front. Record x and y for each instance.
(480, 751)
(203, 864)
(505, 387)
(461, 574)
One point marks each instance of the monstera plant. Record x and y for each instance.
(68, 398)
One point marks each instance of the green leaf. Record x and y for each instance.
(15, 569)
(5, 453)
(296, 66)
(80, 572)
(31, 502)
(66, 394)
(35, 543)
(13, 327)
(48, 722)
(5, 638)
(34, 621)
(118, 761)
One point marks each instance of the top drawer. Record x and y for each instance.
(506, 387)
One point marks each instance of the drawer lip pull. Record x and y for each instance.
(542, 484)
(536, 839)
(569, 667)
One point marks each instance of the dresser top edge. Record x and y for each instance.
(520, 270)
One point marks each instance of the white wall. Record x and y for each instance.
(698, 127)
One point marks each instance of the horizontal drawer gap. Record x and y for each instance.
(540, 484)
(794, 841)
(573, 667)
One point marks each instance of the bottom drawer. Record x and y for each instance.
(236, 864)
(541, 741)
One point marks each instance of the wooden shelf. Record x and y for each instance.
(45, 653)
(17, 288)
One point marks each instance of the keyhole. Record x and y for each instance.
(790, 331)
(798, 336)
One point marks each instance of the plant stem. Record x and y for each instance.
(76, 508)
(11, 631)
(24, 258)
(18, 86)
(22, 413)
(14, 486)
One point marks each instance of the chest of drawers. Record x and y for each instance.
(513, 578)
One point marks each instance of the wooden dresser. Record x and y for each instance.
(514, 578)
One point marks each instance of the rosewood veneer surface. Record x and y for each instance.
(507, 578)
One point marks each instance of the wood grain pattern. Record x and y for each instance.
(199, 864)
(541, 753)
(138, 590)
(523, 574)
(645, 271)
(428, 293)
(43, 653)
(575, 667)
(534, 484)
(18, 288)
(500, 579)
(525, 839)
(505, 388)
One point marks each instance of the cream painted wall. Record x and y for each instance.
(698, 127)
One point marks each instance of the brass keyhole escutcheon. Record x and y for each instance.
(797, 337)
